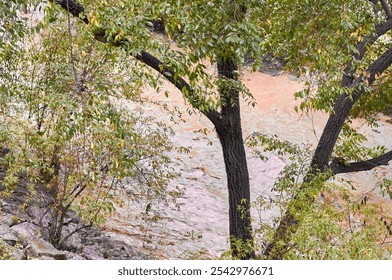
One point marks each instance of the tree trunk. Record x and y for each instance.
(327, 142)
(229, 131)
(238, 186)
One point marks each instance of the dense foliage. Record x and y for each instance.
(63, 125)
(65, 122)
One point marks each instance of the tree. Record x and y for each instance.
(361, 54)
(225, 38)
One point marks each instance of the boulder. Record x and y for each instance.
(40, 249)
(26, 230)
(8, 235)
(6, 218)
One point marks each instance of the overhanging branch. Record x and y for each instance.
(148, 59)
(339, 167)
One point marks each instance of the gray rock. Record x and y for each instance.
(26, 230)
(73, 256)
(38, 248)
(6, 219)
(272, 66)
(9, 242)
(98, 246)
(8, 235)
(16, 253)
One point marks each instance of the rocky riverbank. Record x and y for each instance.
(23, 232)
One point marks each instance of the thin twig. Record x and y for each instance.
(313, 128)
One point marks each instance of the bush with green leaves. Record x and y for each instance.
(340, 224)
(69, 132)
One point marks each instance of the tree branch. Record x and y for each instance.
(386, 8)
(73, 7)
(148, 59)
(320, 163)
(381, 29)
(362, 47)
(374, 2)
(339, 167)
(382, 63)
(343, 106)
